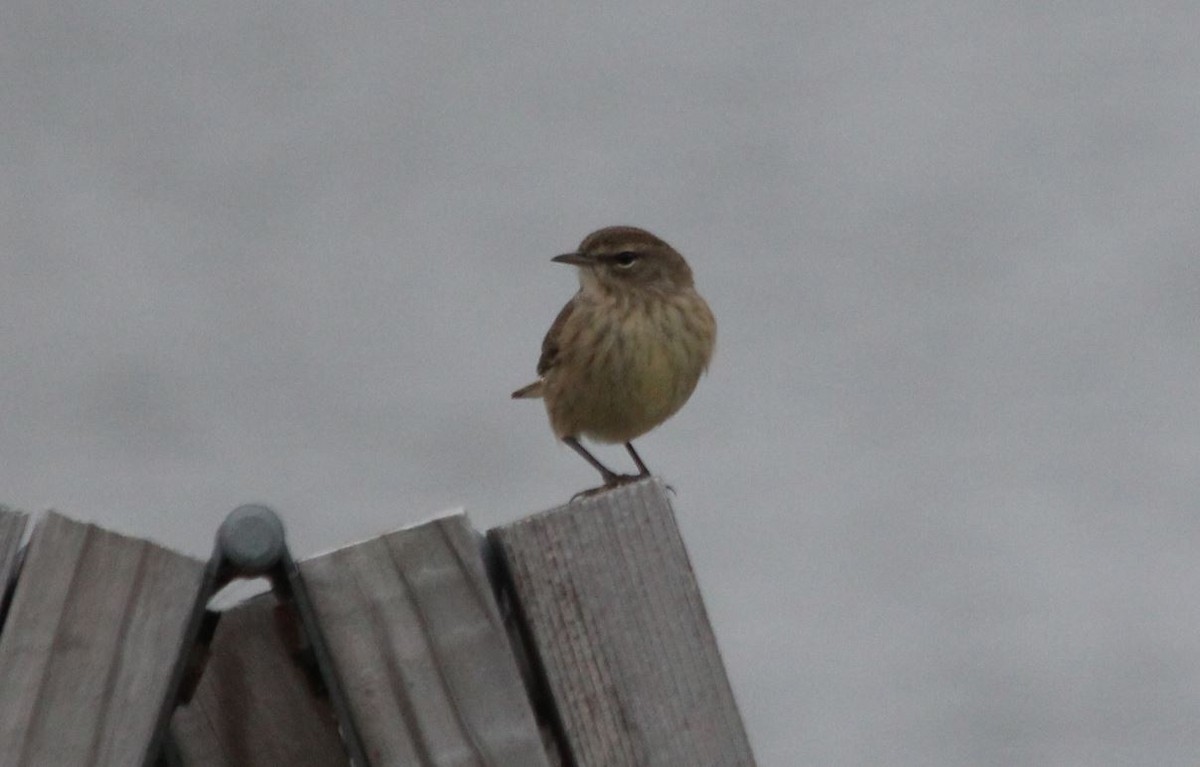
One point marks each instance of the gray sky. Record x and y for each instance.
(940, 484)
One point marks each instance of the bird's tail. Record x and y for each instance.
(532, 391)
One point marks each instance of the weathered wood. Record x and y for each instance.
(614, 618)
(85, 658)
(254, 706)
(421, 651)
(12, 527)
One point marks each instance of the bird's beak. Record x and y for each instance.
(574, 259)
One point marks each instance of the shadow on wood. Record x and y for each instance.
(254, 705)
(12, 527)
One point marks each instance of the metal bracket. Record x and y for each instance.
(251, 544)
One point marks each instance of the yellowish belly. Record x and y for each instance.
(637, 377)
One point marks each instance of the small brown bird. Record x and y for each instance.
(627, 350)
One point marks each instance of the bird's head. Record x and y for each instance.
(625, 258)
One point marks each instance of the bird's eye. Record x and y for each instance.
(625, 259)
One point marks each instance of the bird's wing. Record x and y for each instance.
(550, 344)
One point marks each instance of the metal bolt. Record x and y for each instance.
(252, 538)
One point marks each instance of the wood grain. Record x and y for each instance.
(421, 650)
(87, 652)
(614, 617)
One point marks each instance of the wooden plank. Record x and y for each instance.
(254, 706)
(94, 631)
(421, 651)
(12, 527)
(614, 618)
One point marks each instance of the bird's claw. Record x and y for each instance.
(611, 482)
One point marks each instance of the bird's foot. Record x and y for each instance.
(645, 474)
(610, 481)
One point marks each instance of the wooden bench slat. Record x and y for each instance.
(86, 655)
(422, 652)
(615, 619)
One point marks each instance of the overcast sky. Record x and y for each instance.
(940, 486)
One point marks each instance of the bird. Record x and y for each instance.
(626, 352)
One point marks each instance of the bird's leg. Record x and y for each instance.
(644, 472)
(642, 466)
(610, 476)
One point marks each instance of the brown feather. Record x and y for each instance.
(550, 344)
